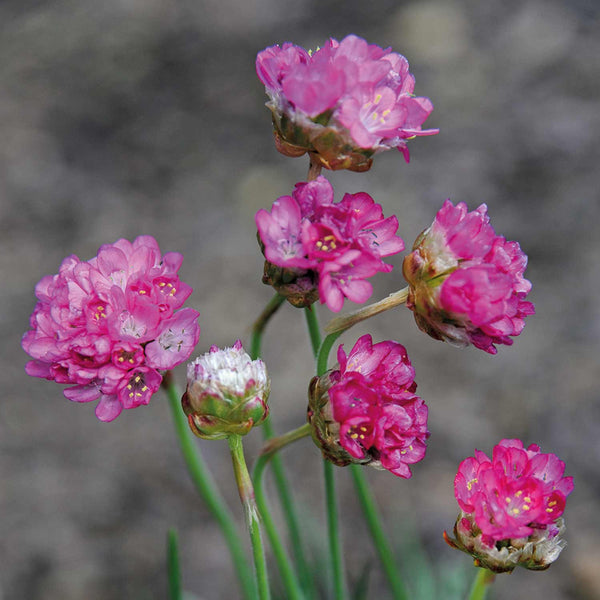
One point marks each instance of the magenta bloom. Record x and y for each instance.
(315, 245)
(344, 103)
(466, 282)
(511, 506)
(367, 410)
(108, 325)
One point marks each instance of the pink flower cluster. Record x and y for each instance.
(467, 283)
(110, 324)
(341, 243)
(356, 88)
(512, 495)
(373, 399)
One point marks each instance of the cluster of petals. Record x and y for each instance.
(467, 283)
(107, 326)
(361, 90)
(515, 494)
(342, 243)
(373, 399)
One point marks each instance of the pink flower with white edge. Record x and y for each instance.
(467, 284)
(109, 325)
(511, 507)
(343, 103)
(318, 249)
(367, 412)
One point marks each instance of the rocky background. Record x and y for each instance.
(125, 117)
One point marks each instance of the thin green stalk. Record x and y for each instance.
(259, 325)
(209, 492)
(289, 579)
(281, 484)
(324, 350)
(313, 329)
(481, 584)
(173, 569)
(382, 545)
(335, 547)
(246, 490)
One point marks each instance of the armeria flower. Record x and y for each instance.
(511, 507)
(466, 282)
(107, 326)
(316, 248)
(226, 394)
(367, 412)
(343, 103)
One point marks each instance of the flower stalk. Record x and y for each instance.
(246, 491)
(207, 488)
(481, 584)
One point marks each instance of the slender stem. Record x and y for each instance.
(324, 351)
(377, 532)
(281, 483)
(313, 329)
(346, 321)
(246, 490)
(173, 569)
(208, 490)
(335, 547)
(290, 582)
(259, 325)
(314, 169)
(481, 584)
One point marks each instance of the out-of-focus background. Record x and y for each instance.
(128, 117)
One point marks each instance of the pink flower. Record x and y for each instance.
(511, 506)
(344, 102)
(466, 282)
(333, 247)
(371, 401)
(108, 325)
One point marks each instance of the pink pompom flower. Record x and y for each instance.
(343, 103)
(511, 507)
(315, 248)
(367, 412)
(107, 326)
(466, 282)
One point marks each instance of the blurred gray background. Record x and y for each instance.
(126, 117)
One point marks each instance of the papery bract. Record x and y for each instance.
(109, 324)
(316, 248)
(466, 282)
(511, 507)
(343, 103)
(367, 412)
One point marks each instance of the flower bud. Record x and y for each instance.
(466, 282)
(366, 411)
(511, 507)
(226, 394)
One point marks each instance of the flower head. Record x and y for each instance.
(108, 325)
(466, 282)
(511, 507)
(367, 412)
(343, 103)
(315, 248)
(226, 394)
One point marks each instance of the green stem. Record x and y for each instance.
(208, 490)
(382, 545)
(246, 490)
(281, 483)
(344, 322)
(259, 325)
(290, 582)
(481, 584)
(335, 548)
(173, 569)
(313, 329)
(324, 350)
